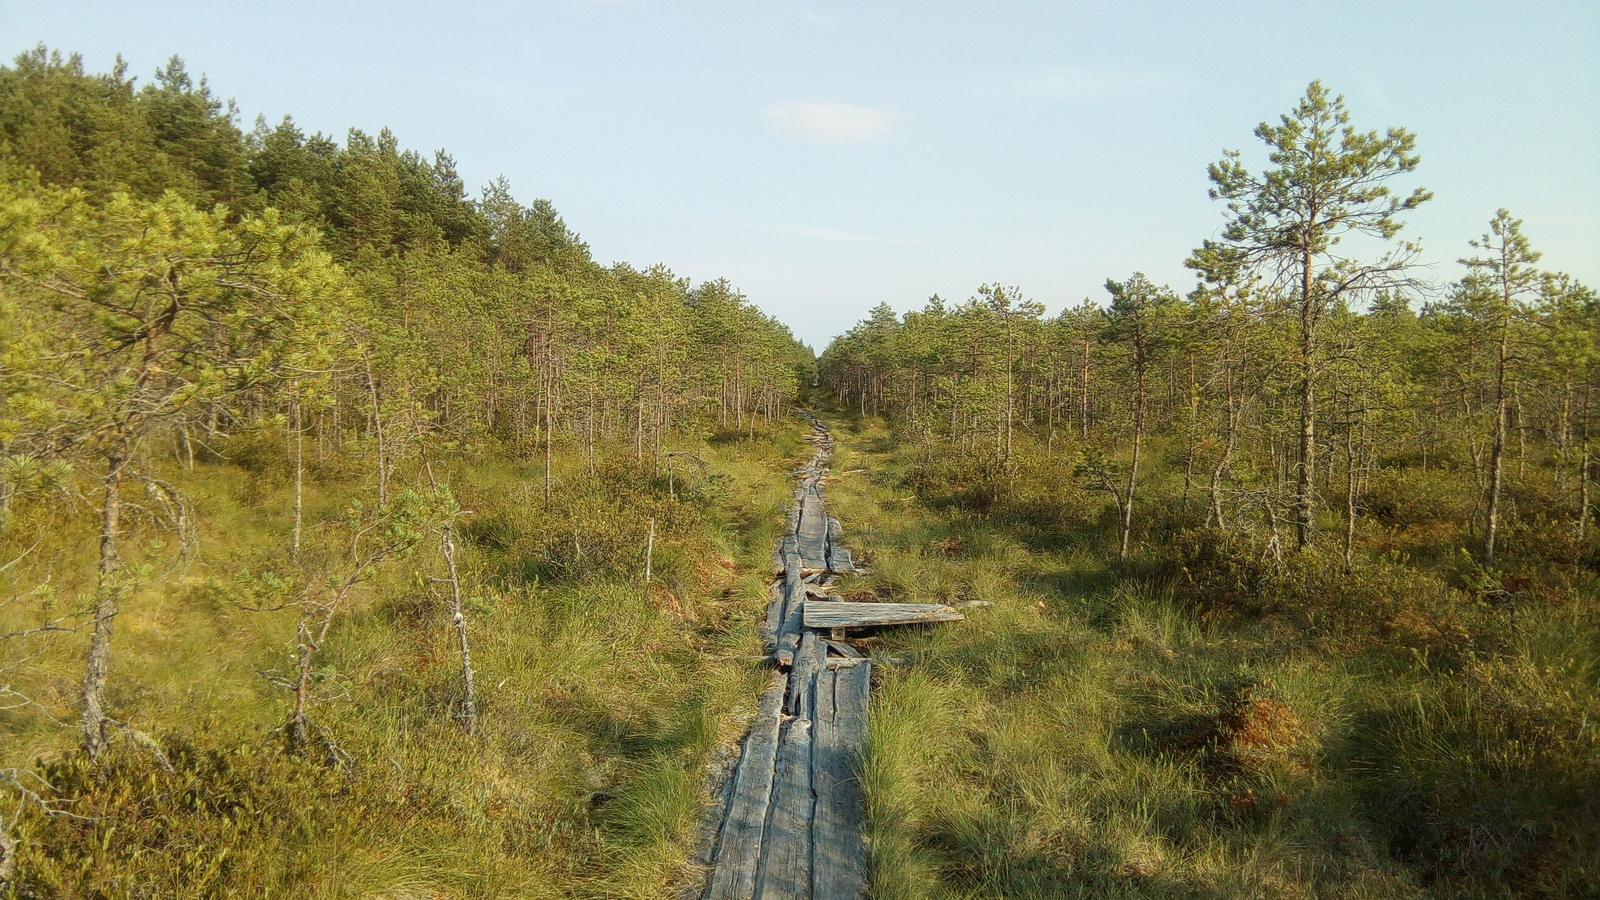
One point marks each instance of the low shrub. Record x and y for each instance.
(1384, 602)
(1485, 781)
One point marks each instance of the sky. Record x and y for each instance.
(826, 157)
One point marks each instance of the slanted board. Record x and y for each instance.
(837, 744)
(790, 555)
(845, 650)
(839, 559)
(825, 614)
(774, 619)
(733, 875)
(789, 633)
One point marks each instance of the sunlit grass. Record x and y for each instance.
(600, 698)
(1092, 734)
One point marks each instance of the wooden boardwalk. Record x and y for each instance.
(791, 828)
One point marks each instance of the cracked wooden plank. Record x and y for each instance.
(825, 614)
(785, 872)
(739, 845)
(838, 742)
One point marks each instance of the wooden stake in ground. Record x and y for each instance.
(649, 550)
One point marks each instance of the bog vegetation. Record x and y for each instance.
(1294, 574)
(327, 497)
(360, 537)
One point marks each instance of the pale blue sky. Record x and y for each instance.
(829, 156)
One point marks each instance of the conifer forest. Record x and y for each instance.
(363, 536)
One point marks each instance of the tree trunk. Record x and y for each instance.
(1083, 403)
(377, 431)
(549, 424)
(649, 552)
(1133, 466)
(299, 730)
(1583, 467)
(469, 696)
(1349, 497)
(1305, 471)
(1229, 441)
(1497, 451)
(108, 591)
(299, 479)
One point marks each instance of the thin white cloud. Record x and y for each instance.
(833, 123)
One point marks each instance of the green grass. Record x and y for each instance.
(1100, 733)
(601, 701)
(1192, 726)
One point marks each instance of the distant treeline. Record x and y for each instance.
(1294, 377)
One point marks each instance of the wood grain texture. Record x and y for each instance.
(785, 871)
(823, 614)
(838, 742)
(739, 845)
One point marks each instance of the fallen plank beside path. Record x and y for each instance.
(821, 614)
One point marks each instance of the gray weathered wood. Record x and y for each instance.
(785, 872)
(739, 845)
(789, 636)
(793, 623)
(838, 741)
(812, 533)
(847, 651)
(774, 619)
(808, 660)
(792, 827)
(822, 614)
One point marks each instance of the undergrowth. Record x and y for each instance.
(601, 698)
(1213, 720)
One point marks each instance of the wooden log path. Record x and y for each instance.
(791, 827)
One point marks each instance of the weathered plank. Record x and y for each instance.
(774, 618)
(811, 657)
(785, 872)
(812, 532)
(789, 636)
(847, 651)
(847, 662)
(793, 622)
(838, 740)
(739, 845)
(791, 558)
(823, 614)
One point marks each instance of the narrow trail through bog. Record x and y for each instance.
(792, 812)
